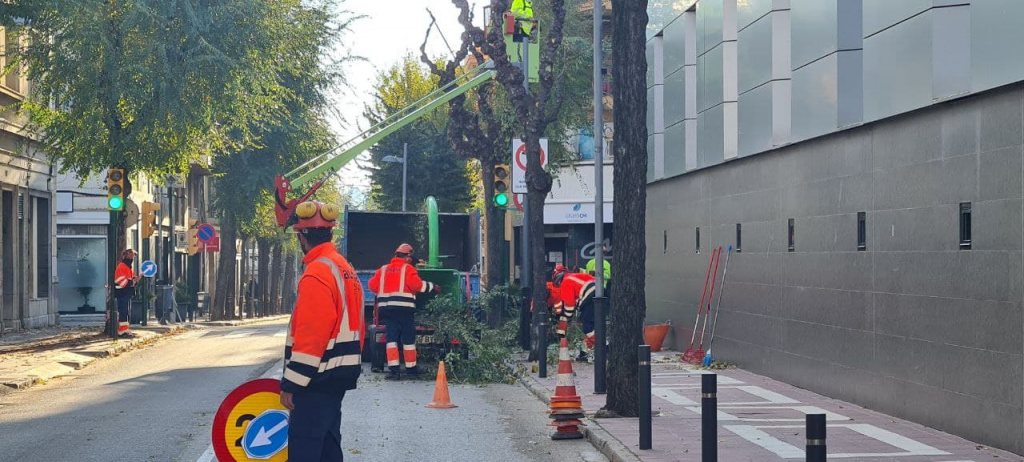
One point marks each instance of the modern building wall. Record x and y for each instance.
(904, 113)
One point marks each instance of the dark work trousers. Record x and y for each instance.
(124, 307)
(401, 326)
(314, 428)
(587, 315)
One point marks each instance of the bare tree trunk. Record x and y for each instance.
(243, 298)
(628, 299)
(289, 290)
(223, 298)
(276, 274)
(264, 276)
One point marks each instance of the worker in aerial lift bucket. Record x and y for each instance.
(323, 348)
(576, 298)
(523, 12)
(397, 284)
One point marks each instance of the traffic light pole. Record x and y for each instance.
(145, 283)
(600, 302)
(112, 232)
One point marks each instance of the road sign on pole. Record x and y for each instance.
(266, 435)
(252, 415)
(519, 164)
(206, 232)
(148, 268)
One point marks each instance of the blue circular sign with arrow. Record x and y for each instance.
(148, 268)
(266, 435)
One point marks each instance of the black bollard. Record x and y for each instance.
(600, 348)
(644, 370)
(542, 345)
(709, 418)
(525, 320)
(816, 438)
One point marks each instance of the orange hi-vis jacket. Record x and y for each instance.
(123, 280)
(397, 284)
(554, 299)
(575, 290)
(323, 350)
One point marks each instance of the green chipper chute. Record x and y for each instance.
(450, 280)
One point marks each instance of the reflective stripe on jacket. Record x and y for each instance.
(575, 290)
(323, 350)
(123, 280)
(397, 284)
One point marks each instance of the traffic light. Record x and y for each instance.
(149, 210)
(502, 186)
(193, 241)
(115, 189)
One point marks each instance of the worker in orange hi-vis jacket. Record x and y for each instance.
(576, 292)
(323, 349)
(124, 288)
(397, 284)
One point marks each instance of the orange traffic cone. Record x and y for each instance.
(441, 398)
(566, 405)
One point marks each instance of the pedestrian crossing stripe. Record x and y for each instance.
(239, 409)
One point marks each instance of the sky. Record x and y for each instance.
(390, 30)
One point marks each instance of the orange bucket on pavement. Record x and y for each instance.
(655, 335)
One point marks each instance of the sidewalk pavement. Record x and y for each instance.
(759, 419)
(39, 355)
(244, 322)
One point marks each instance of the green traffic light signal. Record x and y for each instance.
(115, 203)
(501, 199)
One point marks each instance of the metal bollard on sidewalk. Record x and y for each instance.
(644, 369)
(709, 418)
(816, 438)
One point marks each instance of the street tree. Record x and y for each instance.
(630, 144)
(535, 110)
(244, 175)
(434, 171)
(484, 120)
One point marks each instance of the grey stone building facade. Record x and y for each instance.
(866, 159)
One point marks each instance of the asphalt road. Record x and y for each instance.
(157, 404)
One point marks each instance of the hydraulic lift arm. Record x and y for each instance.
(317, 169)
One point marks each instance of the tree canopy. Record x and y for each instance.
(433, 169)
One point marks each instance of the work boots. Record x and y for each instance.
(393, 374)
(413, 371)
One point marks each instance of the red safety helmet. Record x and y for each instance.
(558, 274)
(404, 248)
(313, 214)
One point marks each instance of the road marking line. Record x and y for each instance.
(723, 416)
(207, 456)
(755, 435)
(240, 334)
(280, 333)
(672, 397)
(770, 397)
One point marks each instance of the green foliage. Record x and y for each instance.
(484, 354)
(433, 169)
(149, 85)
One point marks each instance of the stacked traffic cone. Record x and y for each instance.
(442, 400)
(566, 406)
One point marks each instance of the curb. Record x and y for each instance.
(598, 437)
(70, 361)
(243, 322)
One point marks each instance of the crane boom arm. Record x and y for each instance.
(316, 169)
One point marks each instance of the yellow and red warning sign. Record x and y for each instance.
(251, 424)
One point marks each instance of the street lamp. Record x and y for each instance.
(405, 164)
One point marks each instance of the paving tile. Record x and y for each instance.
(856, 433)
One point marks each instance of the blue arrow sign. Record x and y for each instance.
(266, 435)
(148, 268)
